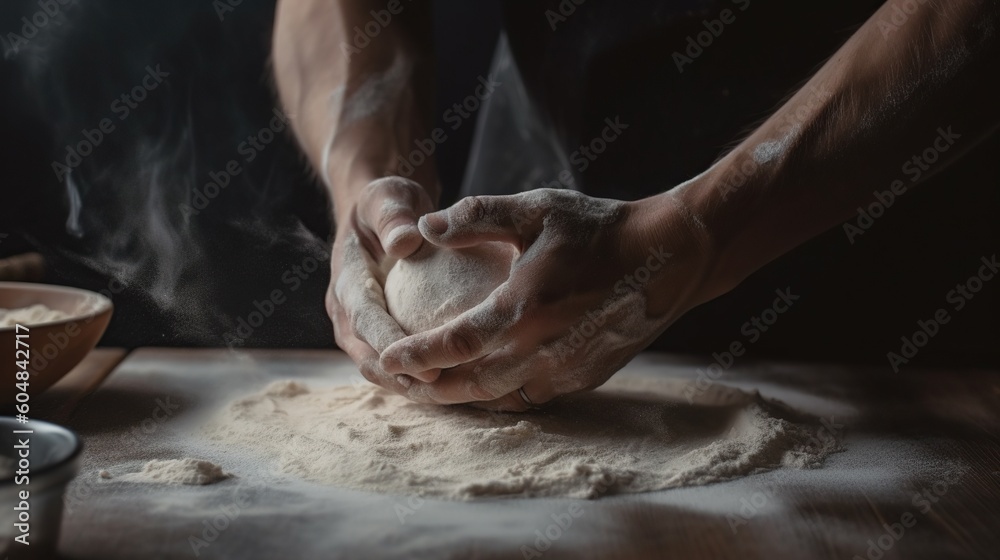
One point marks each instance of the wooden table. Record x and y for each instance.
(895, 485)
(59, 401)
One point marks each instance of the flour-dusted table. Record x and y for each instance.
(893, 493)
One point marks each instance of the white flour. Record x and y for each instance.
(32, 315)
(633, 435)
(176, 471)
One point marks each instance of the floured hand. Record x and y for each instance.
(574, 310)
(380, 228)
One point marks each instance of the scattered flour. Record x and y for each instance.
(176, 471)
(435, 285)
(32, 315)
(633, 435)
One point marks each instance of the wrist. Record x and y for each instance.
(367, 152)
(669, 223)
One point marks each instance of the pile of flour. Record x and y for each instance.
(176, 471)
(632, 435)
(31, 315)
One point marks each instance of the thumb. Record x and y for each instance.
(474, 220)
(389, 208)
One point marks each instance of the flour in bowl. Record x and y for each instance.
(31, 315)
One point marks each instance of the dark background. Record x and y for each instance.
(188, 279)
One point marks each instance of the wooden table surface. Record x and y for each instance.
(59, 401)
(920, 478)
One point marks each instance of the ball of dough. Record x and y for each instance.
(435, 285)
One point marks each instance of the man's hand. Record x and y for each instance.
(379, 229)
(575, 308)
(356, 117)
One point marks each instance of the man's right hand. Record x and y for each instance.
(356, 117)
(379, 228)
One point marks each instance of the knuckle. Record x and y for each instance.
(394, 183)
(459, 343)
(574, 385)
(473, 209)
(389, 196)
(368, 373)
(333, 307)
(362, 327)
(339, 336)
(412, 358)
(481, 392)
(399, 189)
(341, 330)
(372, 374)
(354, 322)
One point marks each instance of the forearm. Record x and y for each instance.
(875, 105)
(356, 107)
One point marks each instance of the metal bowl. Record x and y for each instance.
(53, 459)
(57, 346)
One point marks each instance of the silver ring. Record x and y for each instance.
(527, 401)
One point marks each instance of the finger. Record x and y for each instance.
(476, 219)
(366, 359)
(389, 207)
(490, 380)
(538, 391)
(374, 319)
(470, 336)
(360, 298)
(508, 403)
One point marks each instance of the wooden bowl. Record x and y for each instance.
(55, 347)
